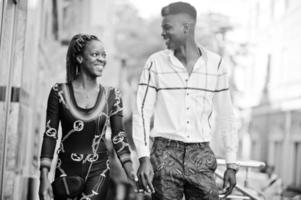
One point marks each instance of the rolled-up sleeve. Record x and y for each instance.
(226, 120)
(145, 101)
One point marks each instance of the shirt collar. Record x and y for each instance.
(176, 62)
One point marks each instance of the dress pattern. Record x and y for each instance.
(82, 149)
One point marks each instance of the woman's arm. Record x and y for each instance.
(49, 142)
(119, 139)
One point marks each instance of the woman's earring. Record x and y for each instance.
(79, 59)
(76, 70)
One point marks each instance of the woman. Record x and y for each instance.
(85, 109)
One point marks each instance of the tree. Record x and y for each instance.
(136, 38)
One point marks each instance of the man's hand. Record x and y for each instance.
(45, 190)
(229, 182)
(145, 174)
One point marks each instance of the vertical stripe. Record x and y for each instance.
(219, 64)
(143, 102)
(209, 116)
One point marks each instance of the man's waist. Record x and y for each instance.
(179, 143)
(186, 137)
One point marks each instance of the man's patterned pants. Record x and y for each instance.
(183, 169)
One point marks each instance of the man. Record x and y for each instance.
(181, 85)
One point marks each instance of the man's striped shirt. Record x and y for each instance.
(182, 104)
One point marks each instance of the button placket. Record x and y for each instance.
(187, 106)
(188, 103)
(186, 81)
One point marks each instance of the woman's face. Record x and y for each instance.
(93, 58)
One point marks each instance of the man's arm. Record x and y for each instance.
(226, 123)
(146, 97)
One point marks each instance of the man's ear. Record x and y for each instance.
(79, 59)
(186, 27)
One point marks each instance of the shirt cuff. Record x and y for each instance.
(231, 157)
(45, 162)
(124, 158)
(143, 151)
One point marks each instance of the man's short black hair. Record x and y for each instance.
(179, 7)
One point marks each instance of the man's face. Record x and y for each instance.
(173, 31)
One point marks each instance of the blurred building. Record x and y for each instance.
(272, 85)
(33, 39)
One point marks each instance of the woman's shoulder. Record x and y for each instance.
(57, 87)
(112, 92)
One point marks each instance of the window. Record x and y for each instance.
(279, 9)
(255, 148)
(297, 164)
(272, 8)
(257, 13)
(287, 4)
(1, 13)
(278, 157)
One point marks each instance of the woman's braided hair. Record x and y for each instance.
(76, 47)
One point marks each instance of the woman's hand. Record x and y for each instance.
(128, 167)
(45, 190)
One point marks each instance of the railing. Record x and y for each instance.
(247, 165)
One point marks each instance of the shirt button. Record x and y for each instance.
(187, 94)
(186, 79)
